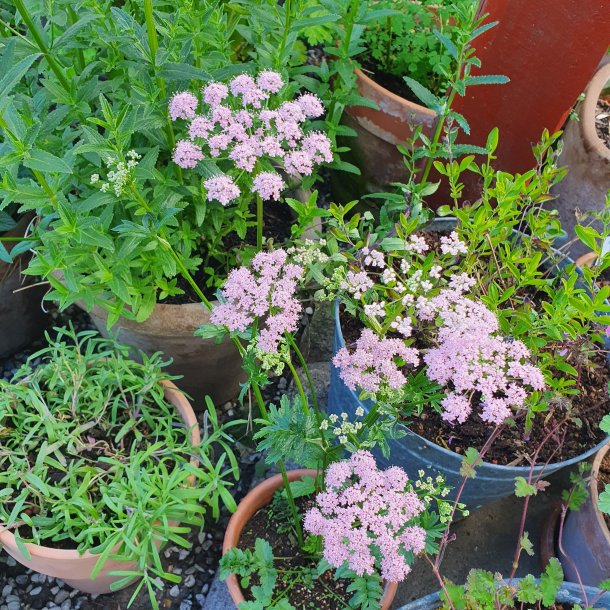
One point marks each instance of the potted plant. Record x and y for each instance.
(22, 316)
(260, 308)
(532, 296)
(416, 57)
(102, 463)
(107, 94)
(586, 155)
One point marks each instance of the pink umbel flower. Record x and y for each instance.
(267, 291)
(183, 106)
(357, 283)
(245, 127)
(268, 185)
(311, 105)
(187, 154)
(367, 513)
(269, 81)
(495, 368)
(214, 93)
(452, 244)
(372, 365)
(221, 188)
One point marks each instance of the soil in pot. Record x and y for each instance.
(391, 82)
(513, 447)
(602, 121)
(324, 593)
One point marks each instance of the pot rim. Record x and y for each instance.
(599, 458)
(393, 96)
(254, 500)
(185, 410)
(587, 113)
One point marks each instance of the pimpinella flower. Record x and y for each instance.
(367, 517)
(375, 364)
(183, 106)
(187, 154)
(268, 185)
(214, 93)
(267, 291)
(221, 188)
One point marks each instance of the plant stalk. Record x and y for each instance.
(259, 223)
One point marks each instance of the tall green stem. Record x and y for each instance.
(153, 45)
(287, 26)
(291, 503)
(38, 38)
(299, 355)
(259, 223)
(299, 385)
(80, 56)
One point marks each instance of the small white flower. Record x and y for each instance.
(95, 178)
(359, 412)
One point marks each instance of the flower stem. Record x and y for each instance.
(38, 38)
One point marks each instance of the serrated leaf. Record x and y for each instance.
(526, 544)
(425, 95)
(487, 79)
(470, 457)
(550, 581)
(603, 501)
(523, 488)
(528, 590)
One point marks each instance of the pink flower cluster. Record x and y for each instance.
(372, 365)
(266, 291)
(243, 123)
(472, 359)
(366, 512)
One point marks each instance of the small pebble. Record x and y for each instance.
(189, 581)
(36, 591)
(174, 591)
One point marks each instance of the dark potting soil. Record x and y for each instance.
(277, 221)
(603, 479)
(602, 121)
(265, 524)
(391, 82)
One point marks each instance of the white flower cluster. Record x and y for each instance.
(309, 253)
(120, 177)
(341, 427)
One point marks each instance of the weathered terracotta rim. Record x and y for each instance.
(257, 498)
(183, 406)
(599, 458)
(393, 96)
(587, 113)
(586, 260)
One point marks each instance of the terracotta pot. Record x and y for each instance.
(259, 497)
(587, 160)
(586, 539)
(22, 318)
(207, 367)
(379, 132)
(586, 260)
(69, 565)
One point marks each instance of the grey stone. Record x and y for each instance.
(186, 604)
(218, 598)
(189, 581)
(317, 340)
(36, 591)
(174, 591)
(13, 605)
(61, 597)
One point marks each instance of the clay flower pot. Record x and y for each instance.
(587, 160)
(206, 367)
(379, 132)
(74, 568)
(586, 538)
(260, 496)
(22, 318)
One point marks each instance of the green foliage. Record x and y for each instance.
(467, 468)
(417, 39)
(523, 488)
(94, 456)
(290, 432)
(603, 502)
(487, 591)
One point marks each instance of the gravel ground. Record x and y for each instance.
(22, 589)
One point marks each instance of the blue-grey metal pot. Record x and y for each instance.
(413, 452)
(570, 593)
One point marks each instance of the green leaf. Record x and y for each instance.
(44, 161)
(15, 74)
(550, 581)
(487, 79)
(467, 468)
(526, 544)
(523, 488)
(528, 591)
(425, 95)
(603, 502)
(448, 44)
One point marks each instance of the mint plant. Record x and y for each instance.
(94, 458)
